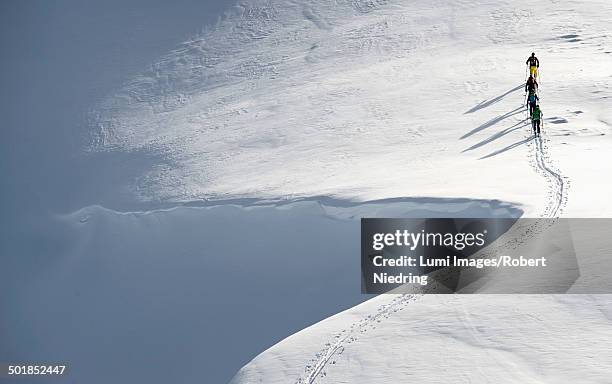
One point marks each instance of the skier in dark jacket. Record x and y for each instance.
(532, 85)
(532, 101)
(534, 64)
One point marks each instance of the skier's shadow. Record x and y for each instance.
(493, 121)
(486, 103)
(498, 135)
(511, 146)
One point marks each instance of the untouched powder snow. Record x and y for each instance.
(368, 100)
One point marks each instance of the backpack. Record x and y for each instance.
(537, 114)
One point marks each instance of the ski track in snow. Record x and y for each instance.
(556, 181)
(316, 367)
(557, 193)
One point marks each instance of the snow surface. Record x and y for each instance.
(449, 338)
(366, 100)
(360, 100)
(375, 99)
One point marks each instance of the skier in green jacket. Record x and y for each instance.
(536, 120)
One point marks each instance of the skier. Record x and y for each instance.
(536, 120)
(534, 64)
(531, 85)
(532, 101)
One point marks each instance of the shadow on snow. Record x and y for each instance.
(486, 103)
(494, 121)
(498, 135)
(511, 146)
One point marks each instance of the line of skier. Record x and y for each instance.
(531, 89)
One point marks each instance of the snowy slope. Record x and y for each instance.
(441, 339)
(377, 99)
(363, 99)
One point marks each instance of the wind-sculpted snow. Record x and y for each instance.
(362, 99)
(255, 93)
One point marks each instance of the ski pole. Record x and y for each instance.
(539, 74)
(526, 72)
